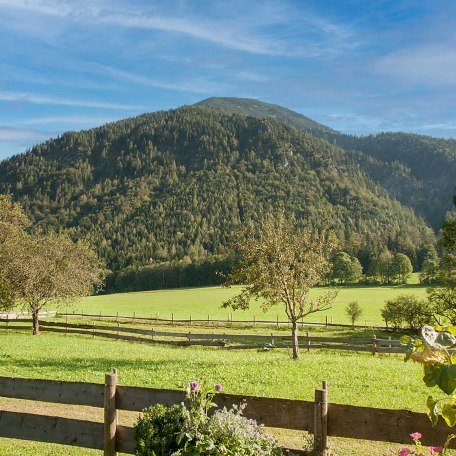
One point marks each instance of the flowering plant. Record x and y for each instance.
(189, 430)
(419, 449)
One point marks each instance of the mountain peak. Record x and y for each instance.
(260, 109)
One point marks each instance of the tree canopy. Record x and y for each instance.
(279, 263)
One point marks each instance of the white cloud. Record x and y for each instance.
(238, 33)
(194, 85)
(21, 134)
(49, 100)
(429, 65)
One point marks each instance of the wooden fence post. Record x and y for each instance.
(321, 420)
(190, 319)
(110, 414)
(374, 344)
(254, 321)
(308, 341)
(172, 318)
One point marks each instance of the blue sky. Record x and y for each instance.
(358, 66)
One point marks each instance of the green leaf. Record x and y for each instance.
(406, 340)
(449, 414)
(433, 414)
(451, 330)
(442, 376)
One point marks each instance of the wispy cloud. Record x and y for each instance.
(71, 120)
(21, 98)
(429, 65)
(243, 34)
(199, 85)
(21, 134)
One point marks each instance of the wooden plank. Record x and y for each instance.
(281, 413)
(51, 429)
(17, 327)
(78, 393)
(12, 320)
(384, 425)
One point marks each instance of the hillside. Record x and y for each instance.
(167, 185)
(419, 171)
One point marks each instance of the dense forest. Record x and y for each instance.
(173, 187)
(419, 171)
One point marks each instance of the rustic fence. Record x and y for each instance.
(229, 341)
(320, 418)
(216, 321)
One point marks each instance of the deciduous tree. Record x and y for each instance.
(279, 263)
(40, 270)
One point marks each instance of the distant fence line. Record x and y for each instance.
(173, 320)
(320, 417)
(277, 322)
(241, 341)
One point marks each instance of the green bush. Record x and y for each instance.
(407, 309)
(188, 430)
(157, 430)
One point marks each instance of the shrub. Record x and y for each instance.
(188, 430)
(407, 309)
(354, 311)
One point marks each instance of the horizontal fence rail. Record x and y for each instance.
(319, 418)
(242, 341)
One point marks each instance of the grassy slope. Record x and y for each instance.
(201, 302)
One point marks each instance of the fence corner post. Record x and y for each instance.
(110, 414)
(321, 420)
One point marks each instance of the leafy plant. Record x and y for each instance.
(432, 350)
(189, 430)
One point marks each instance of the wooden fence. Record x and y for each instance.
(319, 417)
(217, 321)
(229, 341)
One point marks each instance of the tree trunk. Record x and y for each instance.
(294, 332)
(36, 323)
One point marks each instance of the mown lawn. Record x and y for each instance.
(201, 302)
(354, 378)
(359, 379)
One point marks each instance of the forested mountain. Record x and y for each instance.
(419, 171)
(177, 184)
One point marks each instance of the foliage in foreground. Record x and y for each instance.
(188, 430)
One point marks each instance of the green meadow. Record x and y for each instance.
(201, 302)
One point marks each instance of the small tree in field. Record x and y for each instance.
(279, 264)
(43, 270)
(354, 311)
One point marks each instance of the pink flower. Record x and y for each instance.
(404, 452)
(218, 387)
(416, 436)
(435, 449)
(193, 386)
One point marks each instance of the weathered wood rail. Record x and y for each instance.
(242, 341)
(319, 417)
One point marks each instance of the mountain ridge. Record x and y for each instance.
(179, 183)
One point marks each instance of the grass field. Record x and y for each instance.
(201, 302)
(381, 381)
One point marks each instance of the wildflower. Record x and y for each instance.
(416, 436)
(193, 386)
(404, 452)
(435, 449)
(218, 387)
